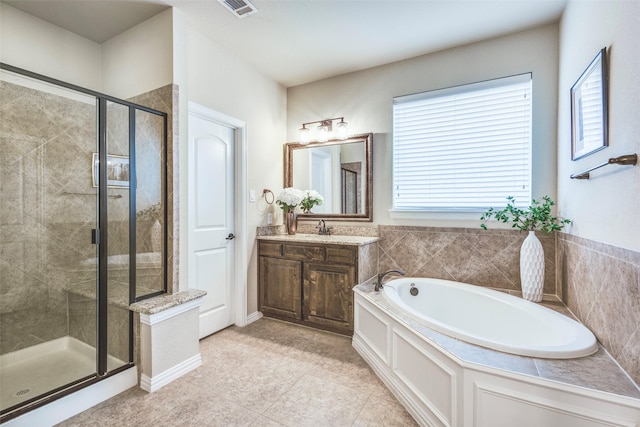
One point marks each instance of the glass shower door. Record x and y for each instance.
(48, 263)
(82, 234)
(118, 260)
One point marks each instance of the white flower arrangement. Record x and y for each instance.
(311, 198)
(289, 198)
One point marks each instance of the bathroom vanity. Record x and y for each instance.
(308, 279)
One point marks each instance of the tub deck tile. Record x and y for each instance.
(598, 371)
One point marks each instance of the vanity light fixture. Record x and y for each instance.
(324, 130)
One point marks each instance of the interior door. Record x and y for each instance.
(211, 244)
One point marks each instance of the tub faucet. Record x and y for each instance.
(381, 276)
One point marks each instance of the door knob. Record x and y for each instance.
(231, 236)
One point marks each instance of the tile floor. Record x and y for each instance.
(269, 373)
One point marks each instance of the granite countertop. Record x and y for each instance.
(598, 371)
(318, 238)
(164, 302)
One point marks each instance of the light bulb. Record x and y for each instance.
(341, 130)
(323, 133)
(304, 135)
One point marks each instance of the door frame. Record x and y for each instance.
(240, 205)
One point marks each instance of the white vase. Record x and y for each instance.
(532, 268)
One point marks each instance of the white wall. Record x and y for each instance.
(606, 208)
(139, 59)
(36, 45)
(365, 100)
(222, 82)
(129, 64)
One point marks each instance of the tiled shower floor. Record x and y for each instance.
(269, 373)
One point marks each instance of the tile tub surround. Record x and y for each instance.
(488, 258)
(269, 373)
(601, 285)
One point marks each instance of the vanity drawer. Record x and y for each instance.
(270, 249)
(304, 252)
(342, 254)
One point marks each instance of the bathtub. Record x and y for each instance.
(443, 381)
(491, 319)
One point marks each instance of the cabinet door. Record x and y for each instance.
(328, 295)
(280, 287)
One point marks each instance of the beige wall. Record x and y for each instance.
(113, 67)
(599, 258)
(606, 207)
(140, 59)
(35, 45)
(222, 82)
(365, 100)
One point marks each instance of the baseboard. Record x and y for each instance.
(152, 384)
(256, 315)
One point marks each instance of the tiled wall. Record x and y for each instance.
(601, 286)
(49, 207)
(599, 283)
(46, 143)
(165, 99)
(488, 258)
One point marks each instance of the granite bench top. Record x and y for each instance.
(164, 302)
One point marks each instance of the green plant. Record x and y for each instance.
(536, 217)
(311, 198)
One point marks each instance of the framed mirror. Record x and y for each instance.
(340, 170)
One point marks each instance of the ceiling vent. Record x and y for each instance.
(240, 8)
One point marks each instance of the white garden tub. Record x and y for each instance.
(491, 319)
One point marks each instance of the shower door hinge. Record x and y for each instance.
(95, 236)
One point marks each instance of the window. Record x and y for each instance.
(464, 148)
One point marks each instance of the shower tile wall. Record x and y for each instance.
(481, 257)
(165, 99)
(601, 285)
(47, 212)
(45, 168)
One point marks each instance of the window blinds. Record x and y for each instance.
(463, 148)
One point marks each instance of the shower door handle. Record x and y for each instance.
(95, 236)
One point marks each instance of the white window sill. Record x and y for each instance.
(435, 215)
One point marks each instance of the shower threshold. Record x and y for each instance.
(35, 370)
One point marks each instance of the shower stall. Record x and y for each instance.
(83, 217)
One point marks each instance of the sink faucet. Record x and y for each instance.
(382, 275)
(322, 228)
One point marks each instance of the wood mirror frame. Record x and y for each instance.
(367, 206)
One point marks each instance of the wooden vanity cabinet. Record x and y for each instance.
(280, 289)
(311, 283)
